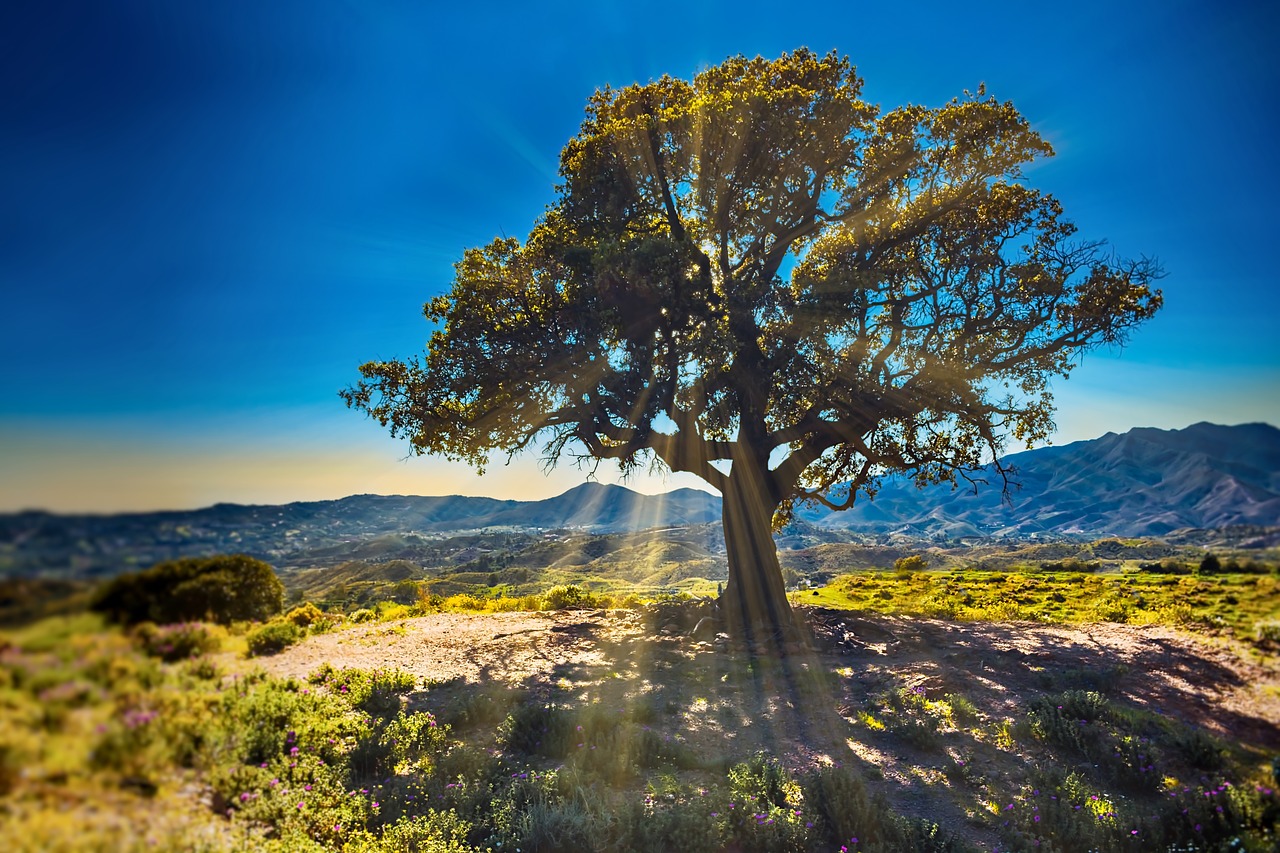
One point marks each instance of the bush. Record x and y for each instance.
(305, 615)
(221, 589)
(907, 565)
(273, 637)
(1267, 632)
(375, 691)
(364, 614)
(434, 832)
(570, 597)
(175, 642)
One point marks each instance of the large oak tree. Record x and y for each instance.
(761, 279)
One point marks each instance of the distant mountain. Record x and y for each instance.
(1145, 482)
(607, 508)
(326, 531)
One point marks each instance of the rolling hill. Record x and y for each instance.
(1145, 482)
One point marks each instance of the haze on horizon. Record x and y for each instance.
(215, 217)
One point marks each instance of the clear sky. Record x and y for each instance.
(211, 213)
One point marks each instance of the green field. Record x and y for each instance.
(1236, 602)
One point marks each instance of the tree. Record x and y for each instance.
(223, 589)
(759, 278)
(907, 565)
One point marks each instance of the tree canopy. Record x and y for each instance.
(759, 278)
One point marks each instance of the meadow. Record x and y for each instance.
(957, 710)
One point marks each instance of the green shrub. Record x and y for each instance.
(221, 589)
(762, 781)
(906, 565)
(570, 597)
(375, 691)
(840, 804)
(364, 614)
(1267, 632)
(434, 832)
(537, 729)
(175, 642)
(273, 637)
(680, 826)
(305, 615)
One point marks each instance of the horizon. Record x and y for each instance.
(216, 216)
(696, 485)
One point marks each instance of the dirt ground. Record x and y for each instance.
(719, 704)
(1200, 680)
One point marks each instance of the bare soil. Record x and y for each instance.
(1205, 681)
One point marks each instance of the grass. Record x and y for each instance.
(1247, 604)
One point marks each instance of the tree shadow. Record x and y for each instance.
(668, 706)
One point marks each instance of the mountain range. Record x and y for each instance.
(1142, 483)
(1145, 482)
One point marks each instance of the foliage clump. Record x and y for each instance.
(176, 642)
(221, 589)
(273, 637)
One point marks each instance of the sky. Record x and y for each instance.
(212, 213)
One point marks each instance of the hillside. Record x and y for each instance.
(1171, 484)
(1146, 482)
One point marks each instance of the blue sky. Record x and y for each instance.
(210, 214)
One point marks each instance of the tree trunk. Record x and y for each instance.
(754, 605)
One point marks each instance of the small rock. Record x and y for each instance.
(708, 628)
